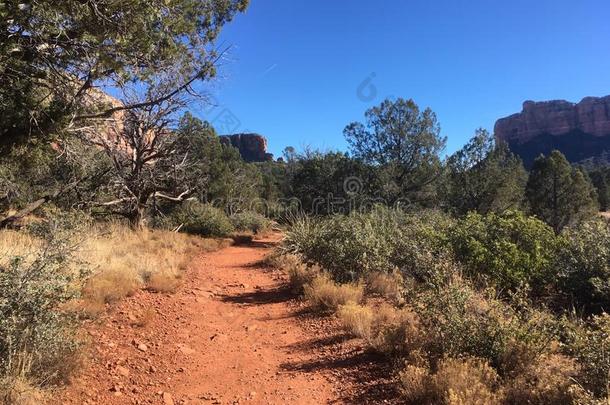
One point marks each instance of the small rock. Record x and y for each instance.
(142, 347)
(168, 399)
(120, 370)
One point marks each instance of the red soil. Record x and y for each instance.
(231, 334)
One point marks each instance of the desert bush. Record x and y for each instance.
(357, 319)
(352, 246)
(549, 380)
(465, 381)
(458, 321)
(249, 221)
(584, 266)
(348, 247)
(589, 344)
(37, 336)
(507, 250)
(324, 293)
(200, 219)
(456, 382)
(387, 285)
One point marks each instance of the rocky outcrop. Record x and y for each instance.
(580, 131)
(252, 147)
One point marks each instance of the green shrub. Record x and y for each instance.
(37, 337)
(584, 266)
(507, 250)
(459, 321)
(352, 246)
(250, 221)
(346, 246)
(201, 219)
(589, 343)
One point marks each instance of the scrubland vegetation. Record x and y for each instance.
(62, 268)
(493, 308)
(482, 282)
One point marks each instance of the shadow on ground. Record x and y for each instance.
(259, 297)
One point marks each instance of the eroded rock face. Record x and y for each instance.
(581, 131)
(252, 147)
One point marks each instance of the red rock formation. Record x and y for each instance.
(560, 117)
(252, 147)
(581, 131)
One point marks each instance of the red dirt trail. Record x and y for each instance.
(232, 334)
(224, 338)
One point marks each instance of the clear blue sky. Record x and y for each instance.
(296, 65)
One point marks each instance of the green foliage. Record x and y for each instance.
(584, 266)
(250, 221)
(508, 250)
(200, 219)
(404, 142)
(55, 50)
(589, 343)
(600, 177)
(558, 193)
(351, 246)
(483, 176)
(458, 321)
(318, 180)
(30, 171)
(37, 337)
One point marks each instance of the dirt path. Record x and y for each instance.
(225, 337)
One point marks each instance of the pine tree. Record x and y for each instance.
(558, 193)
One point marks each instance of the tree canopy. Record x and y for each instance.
(53, 52)
(484, 176)
(558, 193)
(402, 140)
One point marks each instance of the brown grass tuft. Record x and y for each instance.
(18, 391)
(550, 380)
(164, 281)
(357, 319)
(126, 261)
(387, 285)
(324, 293)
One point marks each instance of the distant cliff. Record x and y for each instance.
(580, 131)
(252, 147)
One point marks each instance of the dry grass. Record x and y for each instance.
(456, 382)
(357, 319)
(13, 243)
(386, 329)
(387, 285)
(324, 293)
(126, 261)
(18, 391)
(299, 274)
(550, 380)
(277, 260)
(166, 281)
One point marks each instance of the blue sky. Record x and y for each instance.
(295, 68)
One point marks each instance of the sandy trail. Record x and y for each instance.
(224, 338)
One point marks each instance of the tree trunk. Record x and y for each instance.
(136, 217)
